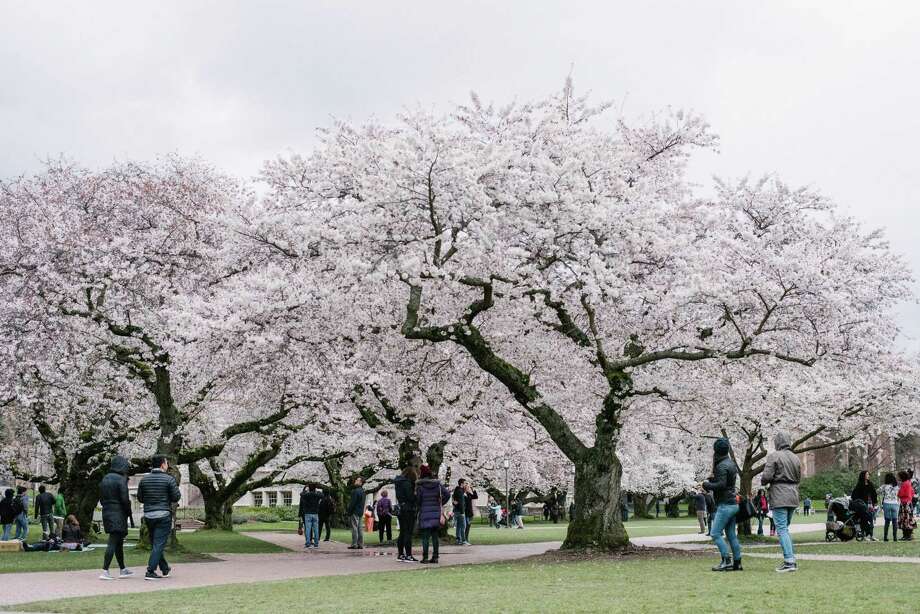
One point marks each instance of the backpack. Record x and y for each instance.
(7, 514)
(745, 509)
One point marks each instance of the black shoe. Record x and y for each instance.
(736, 565)
(725, 565)
(352, 547)
(424, 561)
(166, 573)
(411, 559)
(433, 561)
(152, 575)
(786, 567)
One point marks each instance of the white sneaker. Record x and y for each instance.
(125, 573)
(106, 576)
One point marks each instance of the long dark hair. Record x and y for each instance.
(863, 479)
(890, 479)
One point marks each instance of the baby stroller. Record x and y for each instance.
(842, 524)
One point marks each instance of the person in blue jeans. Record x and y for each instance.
(309, 513)
(722, 486)
(22, 519)
(782, 473)
(158, 491)
(459, 499)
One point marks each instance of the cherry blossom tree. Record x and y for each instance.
(573, 264)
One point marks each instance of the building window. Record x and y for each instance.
(272, 498)
(257, 499)
(287, 497)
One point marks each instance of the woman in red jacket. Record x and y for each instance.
(906, 514)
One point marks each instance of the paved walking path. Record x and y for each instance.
(332, 558)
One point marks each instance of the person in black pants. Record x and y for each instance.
(404, 486)
(326, 512)
(468, 510)
(116, 512)
(863, 501)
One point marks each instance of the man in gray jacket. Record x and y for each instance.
(782, 472)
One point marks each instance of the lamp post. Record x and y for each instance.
(506, 464)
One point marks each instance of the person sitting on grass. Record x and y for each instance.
(71, 534)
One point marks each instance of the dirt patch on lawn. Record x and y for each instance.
(632, 553)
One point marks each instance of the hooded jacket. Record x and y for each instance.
(113, 495)
(724, 475)
(782, 472)
(404, 491)
(431, 495)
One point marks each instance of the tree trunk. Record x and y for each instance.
(218, 514)
(672, 506)
(747, 481)
(640, 506)
(81, 499)
(597, 522)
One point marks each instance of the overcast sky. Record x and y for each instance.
(825, 95)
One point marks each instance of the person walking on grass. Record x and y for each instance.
(722, 486)
(22, 518)
(890, 505)
(404, 491)
(431, 495)
(158, 491)
(116, 512)
(761, 507)
(44, 512)
(326, 513)
(8, 513)
(355, 513)
(385, 517)
(782, 472)
(308, 510)
(699, 502)
(806, 506)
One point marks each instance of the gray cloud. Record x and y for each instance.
(823, 95)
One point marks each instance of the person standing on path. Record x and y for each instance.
(469, 496)
(8, 513)
(308, 510)
(782, 472)
(906, 513)
(116, 511)
(806, 506)
(60, 511)
(863, 500)
(699, 502)
(404, 491)
(44, 512)
(385, 516)
(431, 495)
(22, 518)
(355, 513)
(890, 505)
(459, 499)
(722, 486)
(158, 491)
(326, 513)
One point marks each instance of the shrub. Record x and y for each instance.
(835, 481)
(267, 517)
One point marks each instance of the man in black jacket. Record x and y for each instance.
(355, 512)
(116, 512)
(44, 511)
(309, 515)
(158, 491)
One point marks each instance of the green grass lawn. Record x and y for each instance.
(198, 545)
(484, 535)
(682, 584)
